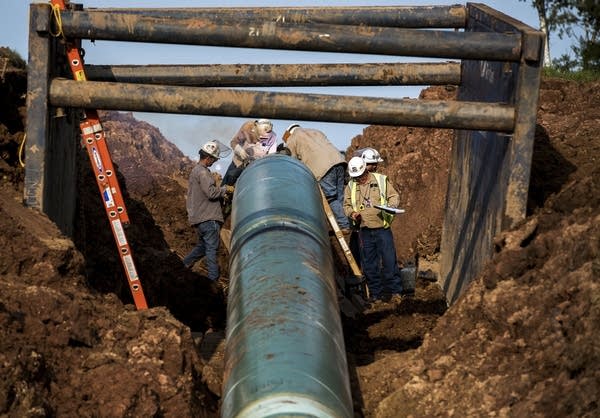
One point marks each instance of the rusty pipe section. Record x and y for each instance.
(281, 35)
(297, 106)
(285, 353)
(386, 16)
(265, 75)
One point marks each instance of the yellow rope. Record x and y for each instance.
(58, 19)
(21, 150)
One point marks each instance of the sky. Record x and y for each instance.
(189, 132)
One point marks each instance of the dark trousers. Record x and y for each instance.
(332, 184)
(207, 246)
(231, 175)
(379, 264)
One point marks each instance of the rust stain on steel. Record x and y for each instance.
(228, 75)
(268, 29)
(230, 102)
(313, 36)
(384, 16)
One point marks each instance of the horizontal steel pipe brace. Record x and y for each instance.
(386, 16)
(309, 37)
(297, 106)
(280, 74)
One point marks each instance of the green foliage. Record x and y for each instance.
(581, 75)
(579, 19)
(14, 59)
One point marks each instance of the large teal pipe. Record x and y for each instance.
(285, 353)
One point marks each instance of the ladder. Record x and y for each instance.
(95, 143)
(358, 281)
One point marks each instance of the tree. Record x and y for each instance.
(544, 10)
(588, 48)
(579, 19)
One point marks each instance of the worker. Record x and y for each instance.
(204, 208)
(254, 140)
(372, 158)
(326, 163)
(378, 252)
(267, 138)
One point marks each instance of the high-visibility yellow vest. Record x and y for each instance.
(382, 184)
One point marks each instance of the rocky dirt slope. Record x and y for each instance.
(522, 341)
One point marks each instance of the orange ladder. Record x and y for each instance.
(108, 184)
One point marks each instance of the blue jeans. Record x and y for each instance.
(332, 184)
(207, 246)
(231, 175)
(379, 264)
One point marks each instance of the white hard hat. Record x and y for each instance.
(371, 156)
(356, 166)
(264, 126)
(212, 149)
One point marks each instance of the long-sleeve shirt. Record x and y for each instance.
(203, 197)
(247, 139)
(266, 145)
(314, 149)
(367, 195)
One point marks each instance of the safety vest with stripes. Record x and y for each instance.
(382, 184)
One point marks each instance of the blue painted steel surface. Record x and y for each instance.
(285, 351)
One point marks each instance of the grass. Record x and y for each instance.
(581, 76)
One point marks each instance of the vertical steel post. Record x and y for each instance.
(38, 84)
(489, 177)
(51, 145)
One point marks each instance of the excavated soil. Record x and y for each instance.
(521, 341)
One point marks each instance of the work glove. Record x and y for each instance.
(240, 152)
(282, 149)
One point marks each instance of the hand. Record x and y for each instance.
(229, 189)
(240, 152)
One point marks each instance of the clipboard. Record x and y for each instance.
(389, 209)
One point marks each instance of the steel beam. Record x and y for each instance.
(385, 16)
(246, 103)
(38, 120)
(279, 35)
(376, 74)
(51, 146)
(489, 176)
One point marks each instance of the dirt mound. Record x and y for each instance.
(522, 341)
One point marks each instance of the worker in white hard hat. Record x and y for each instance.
(267, 138)
(255, 139)
(204, 207)
(371, 157)
(376, 241)
(326, 163)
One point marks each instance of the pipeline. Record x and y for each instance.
(285, 352)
